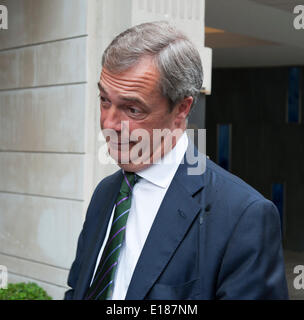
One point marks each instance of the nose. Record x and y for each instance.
(110, 119)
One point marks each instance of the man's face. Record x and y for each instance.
(131, 106)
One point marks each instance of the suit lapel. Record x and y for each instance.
(104, 207)
(175, 216)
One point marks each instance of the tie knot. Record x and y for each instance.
(128, 182)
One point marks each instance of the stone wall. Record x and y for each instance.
(43, 92)
(50, 142)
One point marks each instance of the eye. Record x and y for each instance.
(133, 110)
(102, 99)
(104, 102)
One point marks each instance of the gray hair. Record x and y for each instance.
(177, 59)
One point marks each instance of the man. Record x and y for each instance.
(164, 233)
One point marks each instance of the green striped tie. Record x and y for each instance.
(103, 283)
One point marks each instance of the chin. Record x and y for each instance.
(125, 161)
(131, 167)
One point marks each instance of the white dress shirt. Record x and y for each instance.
(148, 193)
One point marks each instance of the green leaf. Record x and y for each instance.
(23, 291)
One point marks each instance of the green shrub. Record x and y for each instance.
(23, 291)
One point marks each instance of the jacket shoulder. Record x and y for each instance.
(107, 181)
(101, 192)
(229, 197)
(223, 180)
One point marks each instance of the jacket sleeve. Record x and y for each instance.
(74, 271)
(82, 239)
(253, 264)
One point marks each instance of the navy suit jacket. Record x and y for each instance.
(214, 237)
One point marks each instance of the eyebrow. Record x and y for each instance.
(130, 99)
(133, 99)
(101, 88)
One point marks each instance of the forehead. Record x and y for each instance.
(141, 79)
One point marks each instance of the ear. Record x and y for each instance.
(182, 110)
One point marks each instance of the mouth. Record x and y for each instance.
(119, 145)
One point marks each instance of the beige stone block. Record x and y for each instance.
(43, 119)
(53, 63)
(35, 270)
(36, 21)
(44, 174)
(56, 292)
(40, 230)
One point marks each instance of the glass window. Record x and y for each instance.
(278, 199)
(293, 101)
(223, 145)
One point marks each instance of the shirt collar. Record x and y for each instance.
(162, 172)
